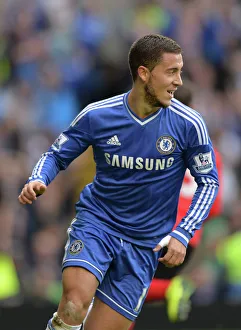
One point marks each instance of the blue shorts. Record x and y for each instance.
(123, 269)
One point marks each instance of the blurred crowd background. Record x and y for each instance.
(56, 56)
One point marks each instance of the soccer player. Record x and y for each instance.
(167, 284)
(143, 142)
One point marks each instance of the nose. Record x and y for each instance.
(178, 80)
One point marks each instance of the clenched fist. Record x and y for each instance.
(30, 192)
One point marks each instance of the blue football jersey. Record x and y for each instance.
(140, 165)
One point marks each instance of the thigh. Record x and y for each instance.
(126, 283)
(89, 248)
(105, 318)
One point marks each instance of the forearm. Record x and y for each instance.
(46, 169)
(198, 211)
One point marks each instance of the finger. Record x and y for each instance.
(31, 192)
(21, 200)
(170, 263)
(40, 188)
(164, 242)
(27, 194)
(165, 259)
(177, 259)
(157, 248)
(167, 264)
(168, 254)
(25, 199)
(173, 261)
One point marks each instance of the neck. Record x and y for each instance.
(138, 104)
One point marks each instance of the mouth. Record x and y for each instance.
(171, 93)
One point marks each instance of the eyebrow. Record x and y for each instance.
(173, 69)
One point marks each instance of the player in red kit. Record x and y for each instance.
(167, 283)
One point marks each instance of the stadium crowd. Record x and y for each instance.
(58, 56)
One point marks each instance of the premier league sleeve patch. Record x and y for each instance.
(59, 142)
(203, 163)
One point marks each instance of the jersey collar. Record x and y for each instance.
(140, 121)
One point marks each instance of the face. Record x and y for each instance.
(163, 80)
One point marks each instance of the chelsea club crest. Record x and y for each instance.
(166, 144)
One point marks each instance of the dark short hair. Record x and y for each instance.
(148, 51)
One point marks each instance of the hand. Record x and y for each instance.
(30, 191)
(176, 252)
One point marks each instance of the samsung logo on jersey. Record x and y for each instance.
(139, 163)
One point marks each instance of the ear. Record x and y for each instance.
(143, 73)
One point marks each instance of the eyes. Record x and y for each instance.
(174, 71)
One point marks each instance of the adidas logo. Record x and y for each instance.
(114, 141)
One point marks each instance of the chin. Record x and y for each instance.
(165, 104)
